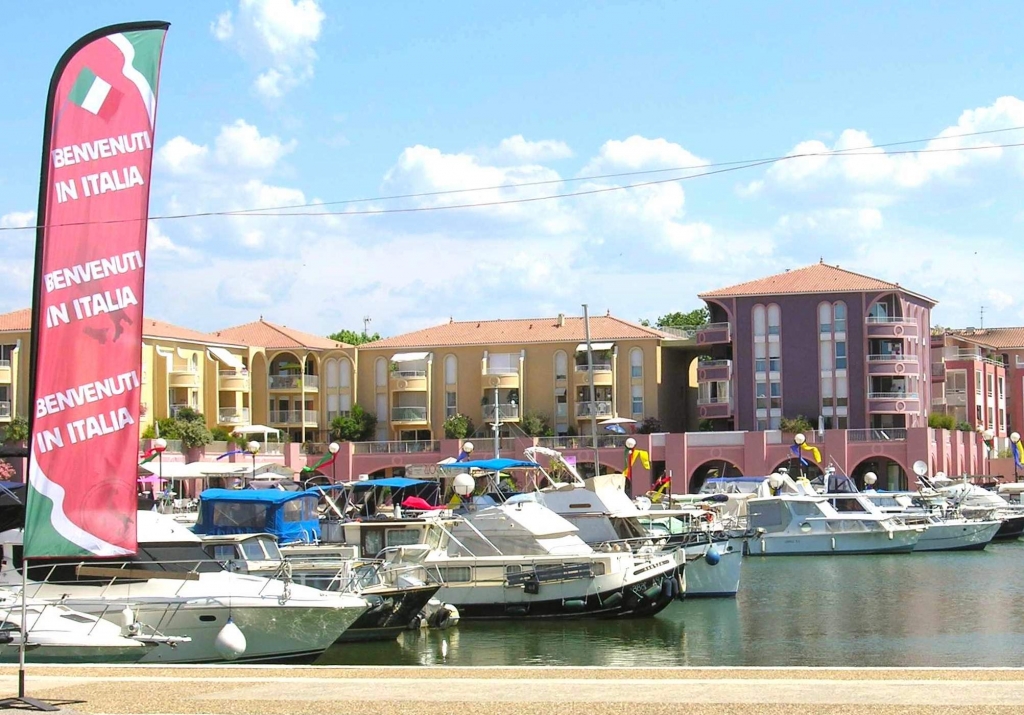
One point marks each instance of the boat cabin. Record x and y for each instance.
(288, 516)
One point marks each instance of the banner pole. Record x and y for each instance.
(24, 628)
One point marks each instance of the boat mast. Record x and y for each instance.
(593, 400)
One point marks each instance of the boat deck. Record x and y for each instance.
(519, 690)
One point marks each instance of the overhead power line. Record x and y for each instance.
(715, 168)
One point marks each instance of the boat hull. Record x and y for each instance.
(720, 580)
(58, 653)
(902, 541)
(1012, 528)
(969, 536)
(391, 611)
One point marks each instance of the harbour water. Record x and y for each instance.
(939, 609)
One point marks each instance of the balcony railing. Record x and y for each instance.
(406, 447)
(175, 409)
(714, 439)
(293, 417)
(714, 363)
(889, 320)
(5, 410)
(600, 408)
(505, 412)
(233, 416)
(285, 382)
(501, 370)
(882, 434)
(408, 414)
(714, 333)
(891, 357)
(311, 382)
(5, 363)
(720, 400)
(893, 396)
(234, 373)
(598, 367)
(582, 441)
(408, 373)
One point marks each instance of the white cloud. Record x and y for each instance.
(637, 152)
(160, 244)
(277, 36)
(18, 219)
(241, 145)
(999, 299)
(836, 220)
(521, 149)
(181, 156)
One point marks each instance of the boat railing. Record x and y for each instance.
(119, 572)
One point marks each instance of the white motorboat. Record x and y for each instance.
(792, 519)
(174, 588)
(58, 634)
(946, 531)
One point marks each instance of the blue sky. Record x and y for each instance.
(277, 102)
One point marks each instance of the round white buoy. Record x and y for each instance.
(230, 642)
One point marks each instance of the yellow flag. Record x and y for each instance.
(813, 450)
(645, 458)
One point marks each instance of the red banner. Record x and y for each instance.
(87, 305)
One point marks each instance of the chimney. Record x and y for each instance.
(561, 320)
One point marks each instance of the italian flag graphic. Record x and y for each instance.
(95, 95)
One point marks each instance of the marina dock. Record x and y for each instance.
(228, 690)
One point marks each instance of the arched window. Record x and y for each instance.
(834, 390)
(561, 365)
(331, 370)
(345, 367)
(760, 322)
(840, 317)
(774, 319)
(194, 362)
(380, 369)
(636, 362)
(824, 318)
(451, 367)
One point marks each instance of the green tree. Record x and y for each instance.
(187, 414)
(193, 433)
(693, 319)
(937, 420)
(798, 424)
(458, 426)
(650, 425)
(353, 338)
(16, 431)
(357, 426)
(535, 424)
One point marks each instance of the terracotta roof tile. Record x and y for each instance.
(518, 331)
(153, 328)
(268, 335)
(816, 278)
(16, 321)
(992, 337)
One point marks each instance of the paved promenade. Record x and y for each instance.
(167, 690)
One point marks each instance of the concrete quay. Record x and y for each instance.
(231, 690)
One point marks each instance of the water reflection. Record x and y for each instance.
(943, 609)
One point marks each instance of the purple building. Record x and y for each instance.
(844, 350)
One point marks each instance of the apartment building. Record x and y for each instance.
(840, 348)
(507, 368)
(299, 381)
(14, 364)
(978, 377)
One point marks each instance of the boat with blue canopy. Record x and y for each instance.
(290, 516)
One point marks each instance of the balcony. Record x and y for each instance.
(969, 355)
(894, 402)
(714, 334)
(294, 417)
(5, 410)
(233, 380)
(408, 379)
(956, 398)
(285, 382)
(311, 383)
(711, 408)
(599, 409)
(603, 374)
(404, 447)
(938, 371)
(891, 434)
(509, 412)
(175, 409)
(408, 415)
(233, 416)
(500, 376)
(183, 378)
(893, 365)
(6, 376)
(887, 327)
(714, 370)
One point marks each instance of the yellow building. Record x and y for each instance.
(300, 382)
(413, 382)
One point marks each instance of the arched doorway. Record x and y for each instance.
(892, 477)
(710, 470)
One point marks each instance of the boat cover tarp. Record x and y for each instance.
(494, 465)
(289, 516)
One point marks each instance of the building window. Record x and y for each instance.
(760, 321)
(346, 372)
(636, 362)
(762, 425)
(638, 399)
(561, 365)
(331, 370)
(991, 385)
(561, 402)
(380, 371)
(774, 320)
(840, 317)
(977, 382)
(6, 354)
(775, 390)
(451, 406)
(451, 370)
(760, 357)
(761, 391)
(840, 355)
(825, 319)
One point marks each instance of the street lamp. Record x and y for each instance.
(253, 448)
(468, 448)
(333, 448)
(798, 440)
(1017, 456)
(160, 444)
(630, 444)
(464, 484)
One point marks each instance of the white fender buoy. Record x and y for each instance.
(230, 642)
(127, 617)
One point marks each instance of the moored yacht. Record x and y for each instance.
(172, 587)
